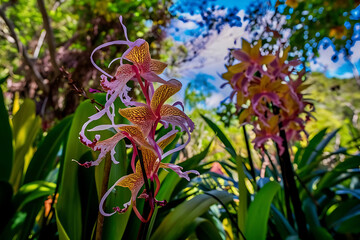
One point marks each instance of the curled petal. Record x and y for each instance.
(118, 42)
(102, 201)
(180, 104)
(182, 146)
(174, 116)
(107, 146)
(178, 169)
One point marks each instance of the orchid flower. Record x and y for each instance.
(268, 131)
(135, 181)
(250, 58)
(147, 116)
(269, 97)
(137, 53)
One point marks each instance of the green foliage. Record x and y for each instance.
(259, 210)
(178, 222)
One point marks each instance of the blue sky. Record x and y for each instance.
(211, 60)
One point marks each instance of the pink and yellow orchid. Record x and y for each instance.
(143, 66)
(145, 118)
(267, 94)
(135, 181)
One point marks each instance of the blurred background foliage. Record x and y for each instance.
(44, 195)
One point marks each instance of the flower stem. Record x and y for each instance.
(252, 169)
(104, 187)
(289, 182)
(149, 202)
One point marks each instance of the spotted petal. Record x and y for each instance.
(163, 93)
(140, 56)
(141, 116)
(156, 66)
(135, 134)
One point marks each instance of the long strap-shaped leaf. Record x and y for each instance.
(259, 210)
(177, 221)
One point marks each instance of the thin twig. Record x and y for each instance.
(78, 90)
(38, 78)
(49, 35)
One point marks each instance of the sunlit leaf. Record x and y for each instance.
(178, 220)
(258, 213)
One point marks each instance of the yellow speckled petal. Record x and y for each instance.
(164, 92)
(166, 141)
(133, 181)
(141, 116)
(130, 181)
(149, 159)
(168, 110)
(157, 67)
(136, 133)
(140, 56)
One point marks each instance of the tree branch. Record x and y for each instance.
(49, 35)
(38, 78)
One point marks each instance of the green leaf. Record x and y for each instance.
(331, 178)
(205, 230)
(350, 225)
(114, 226)
(88, 196)
(13, 226)
(62, 233)
(45, 156)
(6, 142)
(32, 191)
(316, 230)
(311, 148)
(178, 220)
(69, 216)
(228, 146)
(169, 180)
(26, 126)
(242, 210)
(281, 223)
(258, 213)
(342, 211)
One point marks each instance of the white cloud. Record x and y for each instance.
(324, 62)
(355, 57)
(214, 100)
